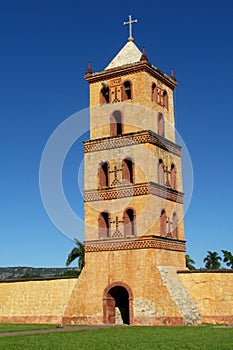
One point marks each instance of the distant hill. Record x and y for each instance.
(9, 273)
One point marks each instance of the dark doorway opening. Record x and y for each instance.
(117, 299)
(116, 127)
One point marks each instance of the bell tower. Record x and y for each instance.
(133, 199)
(133, 182)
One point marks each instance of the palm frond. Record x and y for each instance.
(74, 254)
(77, 253)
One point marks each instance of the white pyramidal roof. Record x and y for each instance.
(130, 53)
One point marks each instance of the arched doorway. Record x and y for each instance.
(103, 174)
(116, 126)
(161, 172)
(127, 171)
(129, 218)
(161, 125)
(163, 223)
(117, 304)
(104, 224)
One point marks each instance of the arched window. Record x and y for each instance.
(103, 174)
(165, 99)
(127, 91)
(173, 176)
(104, 94)
(129, 222)
(116, 127)
(161, 130)
(127, 171)
(163, 223)
(154, 93)
(174, 225)
(104, 224)
(161, 172)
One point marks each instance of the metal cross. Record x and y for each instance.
(130, 26)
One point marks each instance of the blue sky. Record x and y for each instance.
(45, 46)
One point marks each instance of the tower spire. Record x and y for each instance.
(144, 57)
(89, 70)
(173, 74)
(131, 21)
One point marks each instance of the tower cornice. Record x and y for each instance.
(142, 242)
(131, 69)
(133, 190)
(134, 138)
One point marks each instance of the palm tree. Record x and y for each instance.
(190, 262)
(228, 258)
(77, 253)
(212, 261)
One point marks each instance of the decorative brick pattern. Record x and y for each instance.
(131, 139)
(124, 191)
(142, 243)
(117, 234)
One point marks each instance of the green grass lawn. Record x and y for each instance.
(127, 338)
(5, 327)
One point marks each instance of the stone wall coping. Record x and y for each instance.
(37, 279)
(206, 271)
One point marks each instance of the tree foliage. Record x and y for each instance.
(190, 262)
(228, 258)
(71, 273)
(212, 261)
(77, 253)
